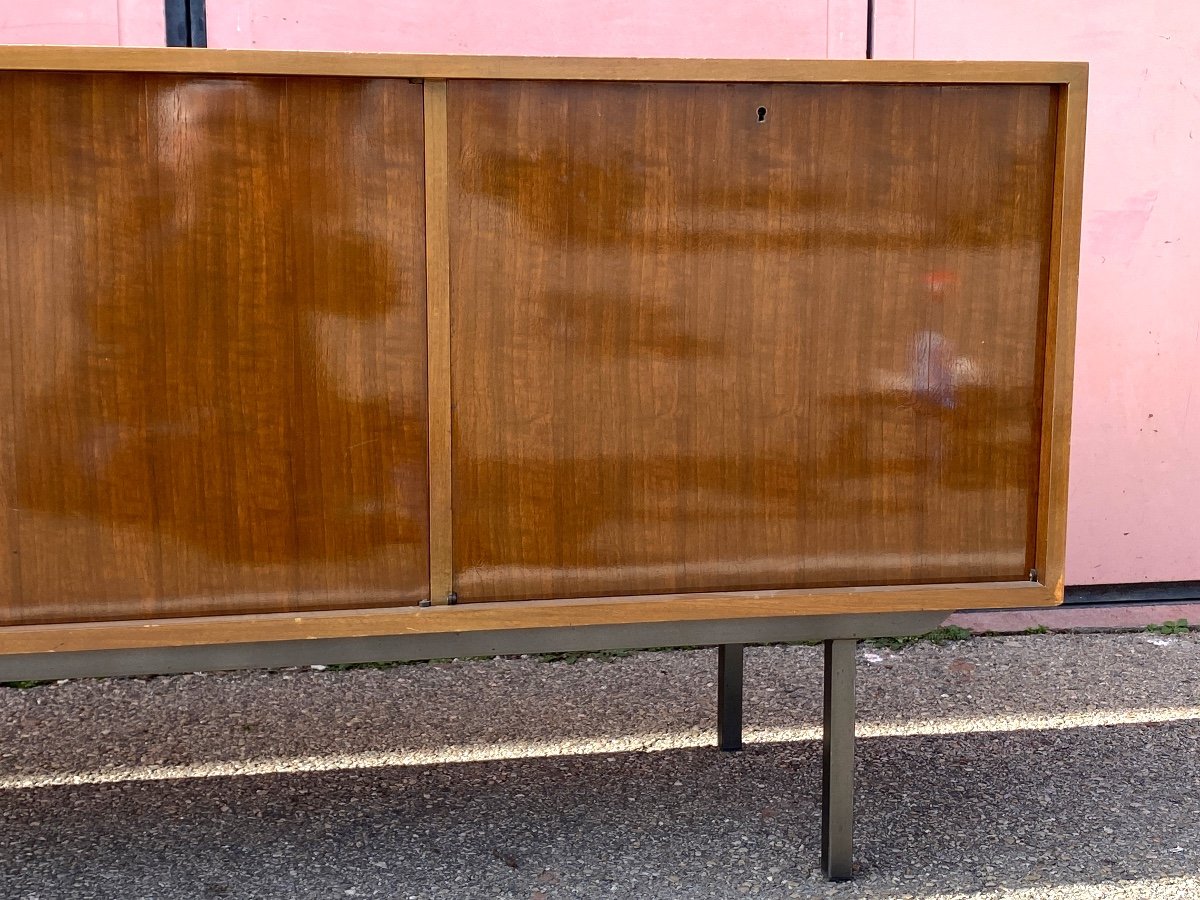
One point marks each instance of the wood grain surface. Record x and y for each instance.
(1060, 338)
(282, 353)
(742, 336)
(444, 66)
(437, 254)
(213, 345)
(504, 616)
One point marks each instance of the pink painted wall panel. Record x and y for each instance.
(846, 33)
(704, 28)
(1135, 462)
(77, 22)
(894, 23)
(102, 22)
(141, 23)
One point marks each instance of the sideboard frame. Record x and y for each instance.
(441, 616)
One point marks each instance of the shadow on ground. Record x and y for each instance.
(1045, 811)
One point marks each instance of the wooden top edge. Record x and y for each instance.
(295, 62)
(515, 615)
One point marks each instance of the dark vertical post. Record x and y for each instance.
(729, 696)
(870, 29)
(187, 23)
(197, 23)
(837, 788)
(176, 15)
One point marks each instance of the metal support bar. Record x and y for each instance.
(68, 663)
(729, 696)
(837, 758)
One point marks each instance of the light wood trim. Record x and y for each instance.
(437, 274)
(290, 62)
(508, 616)
(1062, 299)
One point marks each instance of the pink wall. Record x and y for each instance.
(130, 23)
(703, 28)
(1135, 477)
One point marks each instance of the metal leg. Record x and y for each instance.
(729, 696)
(837, 789)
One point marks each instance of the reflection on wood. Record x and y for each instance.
(692, 351)
(215, 303)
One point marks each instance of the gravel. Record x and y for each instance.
(1034, 766)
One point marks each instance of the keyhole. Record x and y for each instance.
(762, 114)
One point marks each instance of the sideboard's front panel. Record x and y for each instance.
(212, 345)
(745, 336)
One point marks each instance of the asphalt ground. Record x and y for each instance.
(1058, 765)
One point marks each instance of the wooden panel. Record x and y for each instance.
(441, 66)
(10, 221)
(437, 256)
(216, 295)
(1060, 337)
(535, 614)
(697, 351)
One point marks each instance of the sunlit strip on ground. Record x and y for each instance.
(1164, 888)
(598, 745)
